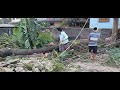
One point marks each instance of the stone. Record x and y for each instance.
(11, 62)
(19, 69)
(19, 65)
(34, 69)
(35, 63)
(29, 71)
(25, 61)
(49, 66)
(40, 67)
(1, 69)
(8, 69)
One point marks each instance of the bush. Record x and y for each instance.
(28, 66)
(27, 35)
(43, 24)
(114, 57)
(58, 67)
(44, 38)
(6, 41)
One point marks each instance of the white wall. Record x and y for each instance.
(15, 19)
(94, 22)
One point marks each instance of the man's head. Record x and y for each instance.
(59, 30)
(95, 29)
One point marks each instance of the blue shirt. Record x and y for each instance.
(63, 38)
(93, 38)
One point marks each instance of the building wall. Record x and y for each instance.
(15, 19)
(9, 31)
(56, 24)
(72, 32)
(94, 22)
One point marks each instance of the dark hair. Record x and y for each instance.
(95, 28)
(59, 29)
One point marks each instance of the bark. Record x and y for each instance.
(115, 30)
(9, 52)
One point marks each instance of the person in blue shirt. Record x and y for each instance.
(93, 38)
(64, 41)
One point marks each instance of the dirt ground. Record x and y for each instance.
(87, 65)
(78, 60)
(78, 63)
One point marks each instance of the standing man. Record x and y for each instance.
(64, 42)
(93, 38)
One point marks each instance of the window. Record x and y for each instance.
(104, 19)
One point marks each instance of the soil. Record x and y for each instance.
(87, 65)
(77, 60)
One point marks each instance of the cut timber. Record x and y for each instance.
(8, 52)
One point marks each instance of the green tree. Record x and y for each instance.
(27, 34)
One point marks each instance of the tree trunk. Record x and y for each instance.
(115, 30)
(8, 52)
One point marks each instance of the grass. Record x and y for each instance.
(114, 55)
(58, 67)
(28, 66)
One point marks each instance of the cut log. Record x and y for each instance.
(9, 52)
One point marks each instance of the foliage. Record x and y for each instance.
(28, 36)
(6, 41)
(102, 45)
(18, 33)
(64, 22)
(114, 57)
(17, 37)
(72, 22)
(43, 24)
(58, 67)
(64, 54)
(44, 38)
(28, 66)
(26, 33)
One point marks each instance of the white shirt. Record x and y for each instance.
(63, 38)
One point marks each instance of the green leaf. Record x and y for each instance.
(64, 54)
(27, 44)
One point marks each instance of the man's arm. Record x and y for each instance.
(89, 38)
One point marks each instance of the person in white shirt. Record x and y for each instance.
(64, 41)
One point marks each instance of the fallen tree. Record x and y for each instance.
(8, 52)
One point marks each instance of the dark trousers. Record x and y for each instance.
(93, 49)
(63, 47)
